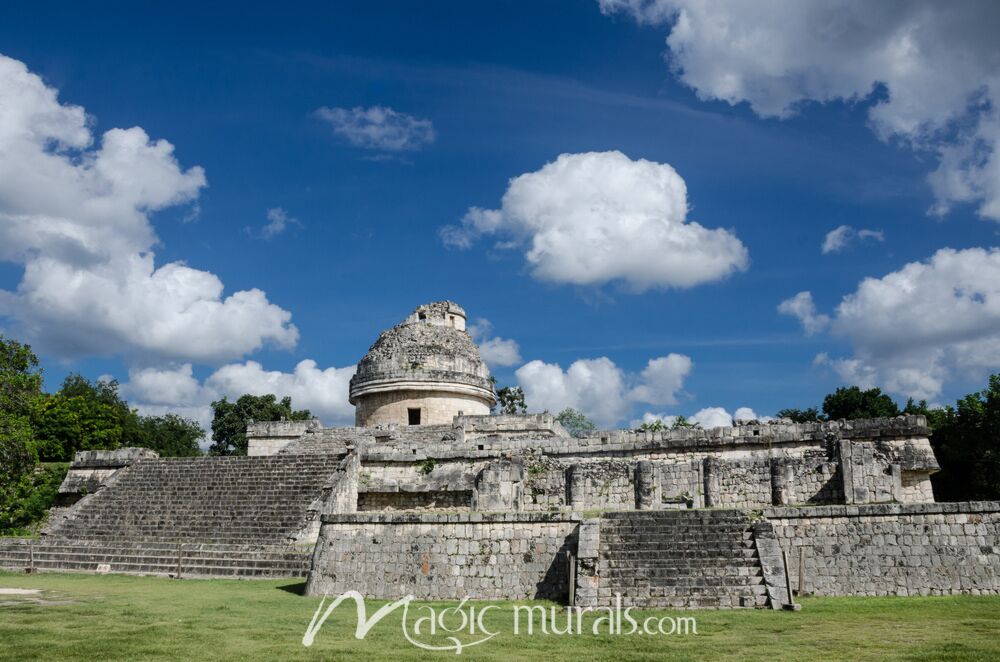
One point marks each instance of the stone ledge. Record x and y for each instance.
(875, 509)
(449, 518)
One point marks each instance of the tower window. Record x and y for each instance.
(422, 317)
(451, 320)
(413, 416)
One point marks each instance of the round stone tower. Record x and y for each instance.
(424, 371)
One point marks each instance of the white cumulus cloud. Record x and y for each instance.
(496, 352)
(378, 128)
(931, 70)
(75, 215)
(919, 326)
(599, 388)
(803, 308)
(175, 389)
(599, 217)
(662, 380)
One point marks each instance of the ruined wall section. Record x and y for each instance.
(749, 466)
(892, 549)
(502, 556)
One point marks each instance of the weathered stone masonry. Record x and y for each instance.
(893, 549)
(501, 556)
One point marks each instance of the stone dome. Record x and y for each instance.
(425, 370)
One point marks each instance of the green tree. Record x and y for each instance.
(654, 426)
(966, 442)
(801, 415)
(852, 402)
(659, 424)
(84, 415)
(575, 422)
(171, 435)
(230, 420)
(67, 424)
(683, 422)
(510, 400)
(18, 456)
(20, 396)
(20, 378)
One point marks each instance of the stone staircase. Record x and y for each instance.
(148, 558)
(222, 516)
(680, 559)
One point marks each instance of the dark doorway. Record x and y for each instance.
(414, 416)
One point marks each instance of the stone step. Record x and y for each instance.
(680, 558)
(217, 500)
(198, 560)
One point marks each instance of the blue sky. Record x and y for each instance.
(508, 88)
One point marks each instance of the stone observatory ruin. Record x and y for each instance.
(424, 371)
(431, 495)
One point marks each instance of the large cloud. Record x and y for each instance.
(915, 328)
(496, 352)
(932, 70)
(76, 216)
(600, 217)
(175, 389)
(599, 388)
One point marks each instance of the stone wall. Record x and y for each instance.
(436, 407)
(893, 549)
(506, 556)
(737, 483)
(269, 437)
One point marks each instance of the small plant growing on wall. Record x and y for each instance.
(427, 466)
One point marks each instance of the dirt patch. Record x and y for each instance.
(30, 596)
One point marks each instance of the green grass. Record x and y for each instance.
(118, 617)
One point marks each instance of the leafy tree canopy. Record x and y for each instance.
(801, 415)
(510, 400)
(852, 402)
(83, 415)
(171, 435)
(966, 441)
(575, 422)
(659, 424)
(230, 420)
(17, 451)
(20, 378)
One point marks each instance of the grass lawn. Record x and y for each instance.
(90, 617)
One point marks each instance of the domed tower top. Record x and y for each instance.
(425, 370)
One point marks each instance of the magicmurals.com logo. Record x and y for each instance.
(464, 626)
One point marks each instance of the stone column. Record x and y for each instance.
(588, 548)
(647, 485)
(574, 487)
(782, 481)
(710, 470)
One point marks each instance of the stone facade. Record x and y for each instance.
(269, 437)
(893, 549)
(435, 407)
(747, 466)
(445, 557)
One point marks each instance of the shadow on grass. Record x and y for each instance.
(297, 589)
